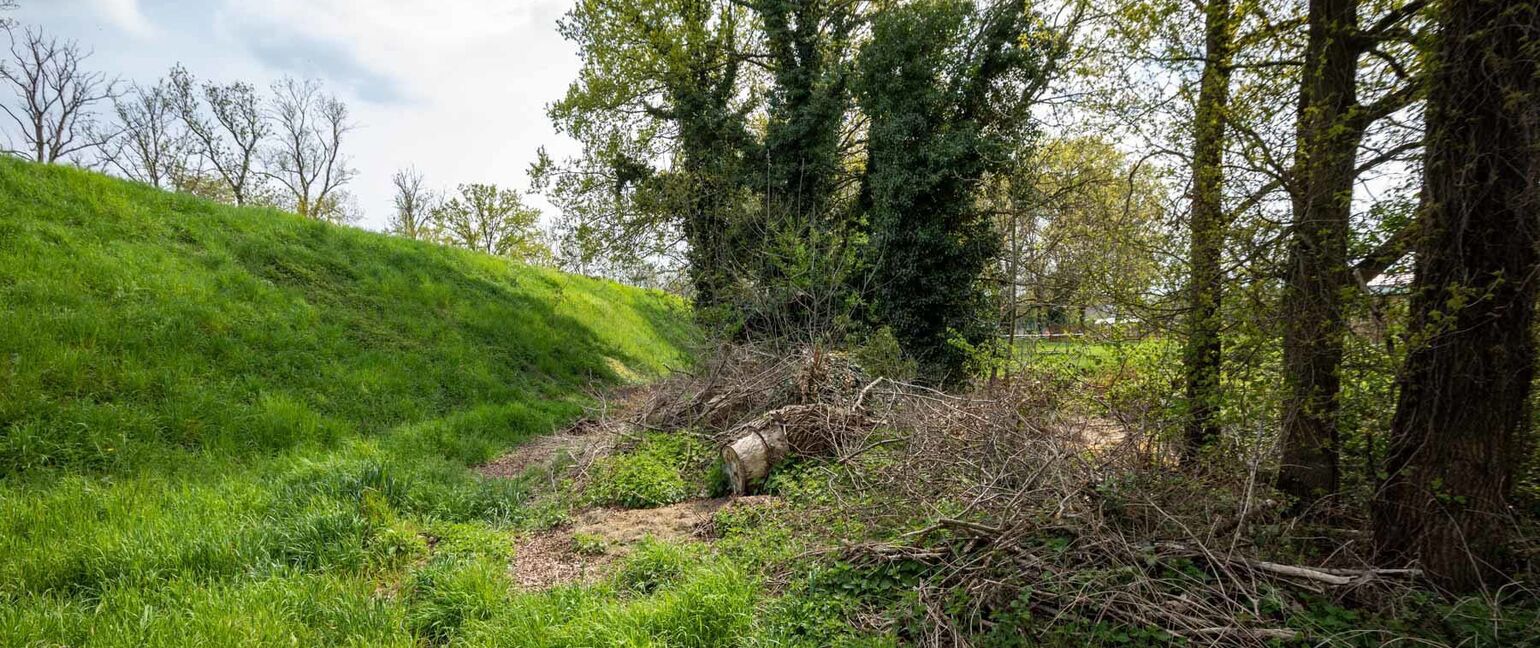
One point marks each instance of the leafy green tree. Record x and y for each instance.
(660, 82)
(797, 284)
(1081, 227)
(486, 218)
(944, 87)
(808, 47)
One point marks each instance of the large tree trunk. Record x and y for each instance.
(1318, 277)
(1207, 232)
(1471, 356)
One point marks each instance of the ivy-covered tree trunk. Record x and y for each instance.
(659, 82)
(1207, 232)
(1314, 293)
(1471, 351)
(807, 42)
(712, 141)
(928, 147)
(799, 271)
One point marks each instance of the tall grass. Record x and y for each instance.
(225, 426)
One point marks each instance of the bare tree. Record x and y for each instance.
(149, 144)
(53, 96)
(7, 5)
(414, 205)
(229, 134)
(306, 157)
(339, 207)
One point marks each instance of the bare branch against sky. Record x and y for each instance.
(53, 95)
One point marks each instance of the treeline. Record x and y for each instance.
(813, 167)
(476, 216)
(281, 147)
(1247, 179)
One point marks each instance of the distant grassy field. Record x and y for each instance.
(225, 426)
(1085, 354)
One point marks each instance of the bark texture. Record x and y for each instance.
(1318, 277)
(1471, 357)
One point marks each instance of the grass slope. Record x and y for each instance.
(225, 426)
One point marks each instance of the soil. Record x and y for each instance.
(588, 439)
(580, 444)
(548, 558)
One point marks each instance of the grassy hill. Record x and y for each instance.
(225, 426)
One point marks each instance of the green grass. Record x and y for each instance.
(225, 426)
(1088, 355)
(662, 469)
(1070, 353)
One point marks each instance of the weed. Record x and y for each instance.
(662, 469)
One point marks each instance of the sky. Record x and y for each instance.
(457, 88)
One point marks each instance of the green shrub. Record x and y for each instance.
(880, 356)
(662, 469)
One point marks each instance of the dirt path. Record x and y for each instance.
(583, 550)
(581, 445)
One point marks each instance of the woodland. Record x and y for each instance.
(857, 323)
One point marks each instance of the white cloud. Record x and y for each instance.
(455, 87)
(127, 16)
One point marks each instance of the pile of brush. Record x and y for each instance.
(1012, 498)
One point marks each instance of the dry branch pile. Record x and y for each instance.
(1002, 499)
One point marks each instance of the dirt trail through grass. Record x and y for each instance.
(582, 548)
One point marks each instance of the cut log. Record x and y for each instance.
(748, 460)
(811, 430)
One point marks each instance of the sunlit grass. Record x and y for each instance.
(225, 426)
(1088, 353)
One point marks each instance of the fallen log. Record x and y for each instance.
(748, 460)
(795, 430)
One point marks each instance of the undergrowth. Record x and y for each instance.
(227, 426)
(661, 469)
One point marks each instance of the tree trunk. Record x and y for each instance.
(1207, 232)
(1318, 277)
(1470, 359)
